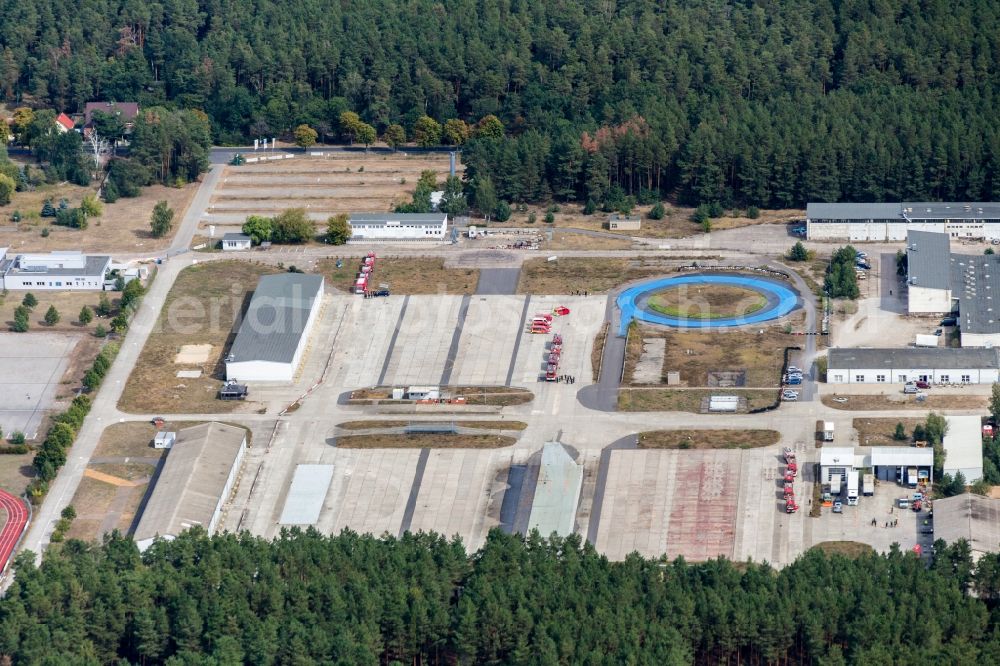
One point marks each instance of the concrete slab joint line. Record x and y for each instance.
(456, 338)
(411, 501)
(517, 340)
(392, 341)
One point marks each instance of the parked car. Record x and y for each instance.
(903, 502)
(794, 369)
(838, 507)
(949, 321)
(381, 292)
(923, 385)
(909, 387)
(938, 332)
(791, 396)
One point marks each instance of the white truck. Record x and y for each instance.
(834, 484)
(852, 489)
(911, 477)
(827, 431)
(868, 486)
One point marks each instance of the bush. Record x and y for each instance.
(45, 232)
(104, 305)
(753, 212)
(29, 301)
(532, 218)
(715, 209)
(100, 331)
(16, 438)
(657, 212)
(900, 433)
(550, 217)
(86, 315)
(91, 207)
(52, 316)
(502, 212)
(798, 252)
(590, 207)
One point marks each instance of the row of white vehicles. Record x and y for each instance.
(793, 377)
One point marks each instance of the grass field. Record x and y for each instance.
(676, 222)
(597, 352)
(404, 275)
(596, 275)
(67, 303)
(707, 302)
(708, 439)
(200, 309)
(122, 227)
(696, 353)
(428, 441)
(686, 400)
(878, 432)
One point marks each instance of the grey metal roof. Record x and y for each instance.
(553, 508)
(96, 265)
(975, 281)
(190, 485)
(945, 358)
(971, 517)
(276, 318)
(410, 218)
(952, 210)
(235, 236)
(854, 211)
(928, 259)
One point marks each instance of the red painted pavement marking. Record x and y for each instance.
(17, 518)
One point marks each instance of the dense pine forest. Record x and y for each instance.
(307, 598)
(743, 102)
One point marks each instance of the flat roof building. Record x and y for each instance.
(928, 272)
(892, 221)
(272, 336)
(53, 271)
(945, 365)
(963, 447)
(398, 226)
(199, 474)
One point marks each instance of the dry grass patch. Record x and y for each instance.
(200, 309)
(708, 439)
(16, 471)
(596, 275)
(676, 222)
(846, 548)
(122, 227)
(474, 395)
(597, 352)
(67, 303)
(404, 275)
(687, 400)
(92, 502)
(869, 403)
(696, 353)
(879, 432)
(424, 441)
(707, 301)
(480, 425)
(563, 240)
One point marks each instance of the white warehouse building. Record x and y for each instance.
(398, 226)
(196, 480)
(53, 271)
(273, 334)
(892, 221)
(945, 365)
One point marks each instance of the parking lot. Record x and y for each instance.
(31, 367)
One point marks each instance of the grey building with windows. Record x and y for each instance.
(860, 222)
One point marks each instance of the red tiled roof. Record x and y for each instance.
(127, 110)
(65, 121)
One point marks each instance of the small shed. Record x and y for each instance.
(624, 223)
(164, 440)
(233, 242)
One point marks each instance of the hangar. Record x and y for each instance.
(398, 226)
(273, 334)
(196, 480)
(971, 517)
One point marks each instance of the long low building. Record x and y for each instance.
(892, 221)
(971, 517)
(53, 271)
(887, 463)
(911, 364)
(272, 336)
(963, 447)
(196, 480)
(398, 226)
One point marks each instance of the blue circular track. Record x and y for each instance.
(780, 301)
